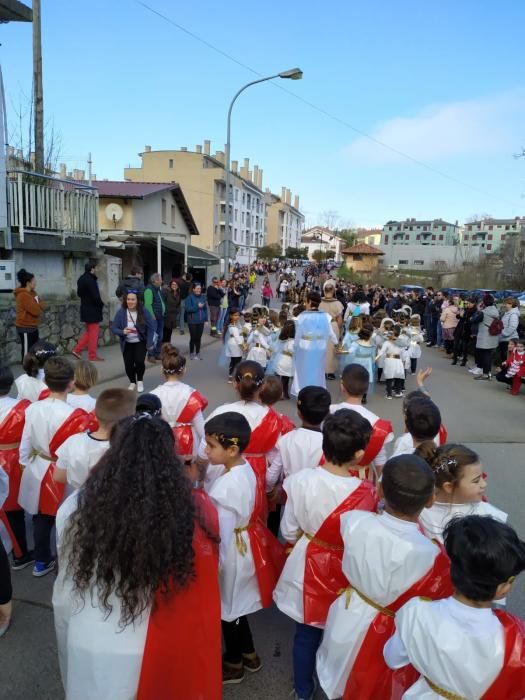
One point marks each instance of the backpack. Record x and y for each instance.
(496, 327)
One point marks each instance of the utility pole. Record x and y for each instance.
(38, 92)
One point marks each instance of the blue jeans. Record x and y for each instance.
(306, 642)
(155, 352)
(221, 319)
(439, 334)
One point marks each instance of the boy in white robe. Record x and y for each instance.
(459, 645)
(422, 421)
(312, 574)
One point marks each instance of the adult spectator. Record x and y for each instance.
(91, 306)
(136, 328)
(154, 304)
(133, 282)
(171, 297)
(29, 308)
(486, 343)
(266, 293)
(464, 333)
(510, 320)
(214, 296)
(196, 317)
(417, 304)
(449, 320)
(185, 284)
(224, 307)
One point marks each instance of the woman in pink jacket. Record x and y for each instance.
(449, 321)
(267, 293)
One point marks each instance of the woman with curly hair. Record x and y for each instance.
(136, 601)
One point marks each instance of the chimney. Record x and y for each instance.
(147, 149)
(81, 174)
(247, 163)
(250, 176)
(296, 201)
(198, 148)
(184, 149)
(260, 182)
(235, 166)
(93, 178)
(255, 175)
(63, 171)
(245, 168)
(283, 194)
(32, 158)
(207, 145)
(288, 197)
(219, 155)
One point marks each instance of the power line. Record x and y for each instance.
(325, 112)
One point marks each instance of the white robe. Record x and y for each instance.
(98, 660)
(84, 401)
(29, 388)
(4, 493)
(78, 455)
(234, 342)
(404, 445)
(461, 649)
(297, 450)
(234, 496)
(435, 519)
(313, 494)
(258, 354)
(253, 412)
(383, 557)
(43, 419)
(381, 458)
(174, 396)
(393, 367)
(284, 365)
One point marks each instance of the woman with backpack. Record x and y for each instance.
(487, 340)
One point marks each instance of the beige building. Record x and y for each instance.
(202, 178)
(362, 259)
(284, 221)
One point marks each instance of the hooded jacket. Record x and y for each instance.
(28, 309)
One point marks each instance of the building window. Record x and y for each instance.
(503, 236)
(419, 262)
(491, 227)
(440, 236)
(164, 208)
(386, 237)
(399, 228)
(236, 195)
(170, 163)
(390, 228)
(411, 228)
(469, 228)
(402, 262)
(489, 246)
(443, 228)
(172, 216)
(418, 237)
(490, 236)
(507, 227)
(466, 236)
(433, 237)
(407, 237)
(357, 257)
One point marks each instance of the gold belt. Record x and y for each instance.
(241, 545)
(37, 453)
(311, 337)
(443, 693)
(253, 454)
(348, 595)
(322, 543)
(393, 357)
(12, 446)
(287, 353)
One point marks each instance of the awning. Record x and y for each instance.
(197, 257)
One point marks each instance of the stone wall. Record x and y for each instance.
(60, 325)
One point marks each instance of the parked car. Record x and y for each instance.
(521, 300)
(392, 268)
(454, 290)
(480, 292)
(505, 293)
(407, 288)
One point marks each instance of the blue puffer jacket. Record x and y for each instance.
(191, 308)
(146, 329)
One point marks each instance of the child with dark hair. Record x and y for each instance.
(460, 487)
(283, 365)
(12, 521)
(244, 541)
(77, 456)
(150, 404)
(271, 392)
(388, 560)
(138, 558)
(86, 377)
(460, 646)
(390, 353)
(182, 405)
(361, 351)
(31, 385)
(422, 421)
(48, 424)
(234, 342)
(312, 576)
(383, 334)
(354, 385)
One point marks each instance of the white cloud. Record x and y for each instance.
(485, 126)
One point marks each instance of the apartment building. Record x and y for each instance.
(284, 221)
(491, 234)
(322, 238)
(201, 176)
(416, 232)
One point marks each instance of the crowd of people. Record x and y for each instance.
(173, 526)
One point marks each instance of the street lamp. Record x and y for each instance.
(292, 74)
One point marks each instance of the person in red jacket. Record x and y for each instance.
(513, 369)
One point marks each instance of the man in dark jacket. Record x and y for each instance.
(133, 282)
(214, 295)
(91, 306)
(154, 303)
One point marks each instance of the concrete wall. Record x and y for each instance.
(56, 273)
(428, 257)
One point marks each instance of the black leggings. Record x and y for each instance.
(196, 330)
(134, 360)
(17, 522)
(27, 339)
(285, 381)
(484, 359)
(397, 384)
(6, 590)
(234, 361)
(42, 526)
(237, 639)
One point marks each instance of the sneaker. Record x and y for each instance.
(398, 395)
(476, 371)
(230, 380)
(389, 397)
(4, 627)
(140, 386)
(23, 562)
(132, 386)
(97, 359)
(193, 356)
(41, 568)
(251, 664)
(330, 376)
(483, 377)
(231, 674)
(76, 354)
(198, 357)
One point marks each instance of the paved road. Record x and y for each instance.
(481, 415)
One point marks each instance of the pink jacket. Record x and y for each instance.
(267, 291)
(448, 317)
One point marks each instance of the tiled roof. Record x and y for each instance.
(362, 249)
(131, 190)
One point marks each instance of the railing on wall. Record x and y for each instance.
(48, 205)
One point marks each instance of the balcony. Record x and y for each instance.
(47, 205)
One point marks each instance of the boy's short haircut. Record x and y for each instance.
(355, 379)
(230, 428)
(114, 404)
(408, 483)
(7, 380)
(58, 374)
(483, 553)
(86, 375)
(422, 418)
(313, 403)
(345, 432)
(416, 394)
(271, 390)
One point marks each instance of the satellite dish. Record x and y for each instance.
(114, 212)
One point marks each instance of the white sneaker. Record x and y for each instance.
(140, 387)
(132, 386)
(477, 371)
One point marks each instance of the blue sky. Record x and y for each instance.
(441, 81)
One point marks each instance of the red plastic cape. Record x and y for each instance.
(370, 678)
(262, 440)
(11, 431)
(287, 424)
(380, 431)
(323, 576)
(510, 684)
(51, 493)
(443, 434)
(44, 394)
(182, 654)
(183, 433)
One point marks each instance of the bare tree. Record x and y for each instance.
(330, 218)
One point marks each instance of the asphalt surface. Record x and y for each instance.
(480, 414)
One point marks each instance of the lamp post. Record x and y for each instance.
(292, 74)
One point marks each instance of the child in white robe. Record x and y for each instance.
(283, 365)
(316, 499)
(258, 347)
(86, 377)
(386, 558)
(460, 646)
(234, 341)
(390, 353)
(460, 487)
(422, 421)
(30, 385)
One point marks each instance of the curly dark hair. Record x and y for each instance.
(132, 532)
